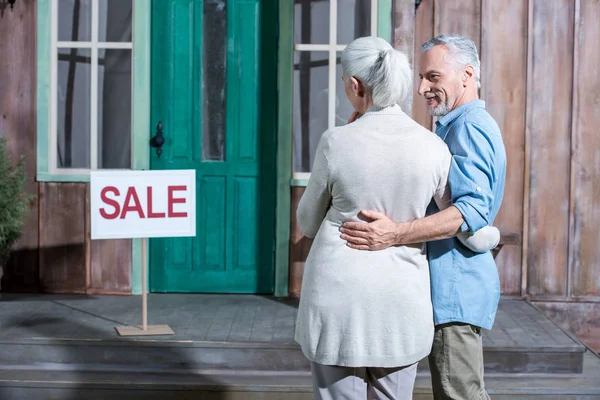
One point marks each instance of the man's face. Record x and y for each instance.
(441, 82)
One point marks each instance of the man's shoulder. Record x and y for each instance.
(482, 120)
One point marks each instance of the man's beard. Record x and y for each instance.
(440, 110)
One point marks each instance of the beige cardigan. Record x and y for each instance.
(362, 308)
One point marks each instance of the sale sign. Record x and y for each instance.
(142, 204)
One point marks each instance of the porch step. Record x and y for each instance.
(72, 382)
(256, 356)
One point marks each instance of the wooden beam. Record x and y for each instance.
(403, 14)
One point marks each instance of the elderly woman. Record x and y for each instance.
(365, 318)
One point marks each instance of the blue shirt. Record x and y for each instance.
(465, 285)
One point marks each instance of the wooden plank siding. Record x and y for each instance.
(108, 262)
(62, 237)
(585, 262)
(423, 32)
(458, 16)
(403, 22)
(69, 261)
(17, 124)
(110, 267)
(503, 87)
(550, 135)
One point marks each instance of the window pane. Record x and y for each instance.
(311, 21)
(114, 108)
(114, 24)
(354, 20)
(343, 108)
(73, 108)
(74, 20)
(214, 71)
(311, 77)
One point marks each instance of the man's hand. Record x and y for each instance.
(378, 234)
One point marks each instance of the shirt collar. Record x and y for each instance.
(457, 112)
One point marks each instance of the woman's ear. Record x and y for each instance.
(358, 88)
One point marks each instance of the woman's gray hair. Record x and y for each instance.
(462, 51)
(384, 71)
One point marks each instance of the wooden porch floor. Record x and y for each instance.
(208, 317)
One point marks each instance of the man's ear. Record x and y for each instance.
(357, 87)
(468, 74)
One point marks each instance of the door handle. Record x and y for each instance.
(158, 140)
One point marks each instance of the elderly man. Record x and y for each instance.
(465, 285)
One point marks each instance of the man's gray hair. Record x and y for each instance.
(384, 72)
(462, 50)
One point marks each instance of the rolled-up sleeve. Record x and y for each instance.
(472, 175)
(316, 199)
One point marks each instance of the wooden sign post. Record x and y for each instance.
(143, 204)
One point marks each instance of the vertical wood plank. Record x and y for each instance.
(550, 132)
(504, 72)
(527, 165)
(17, 124)
(404, 37)
(586, 156)
(459, 16)
(423, 31)
(108, 261)
(110, 266)
(62, 237)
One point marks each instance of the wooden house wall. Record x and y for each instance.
(54, 254)
(17, 124)
(539, 67)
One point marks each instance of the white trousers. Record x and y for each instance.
(364, 383)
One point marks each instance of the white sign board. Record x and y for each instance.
(142, 204)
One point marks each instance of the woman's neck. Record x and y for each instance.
(365, 104)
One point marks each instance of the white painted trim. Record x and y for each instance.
(374, 17)
(89, 45)
(94, 88)
(301, 175)
(71, 171)
(332, 63)
(319, 47)
(73, 45)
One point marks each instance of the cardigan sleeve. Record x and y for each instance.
(442, 195)
(316, 199)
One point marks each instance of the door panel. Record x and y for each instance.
(207, 57)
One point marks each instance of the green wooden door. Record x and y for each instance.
(214, 92)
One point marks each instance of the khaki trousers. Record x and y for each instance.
(364, 383)
(456, 363)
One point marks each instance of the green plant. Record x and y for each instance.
(14, 202)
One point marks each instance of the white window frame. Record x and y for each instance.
(333, 48)
(94, 45)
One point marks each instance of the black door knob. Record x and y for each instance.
(158, 140)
